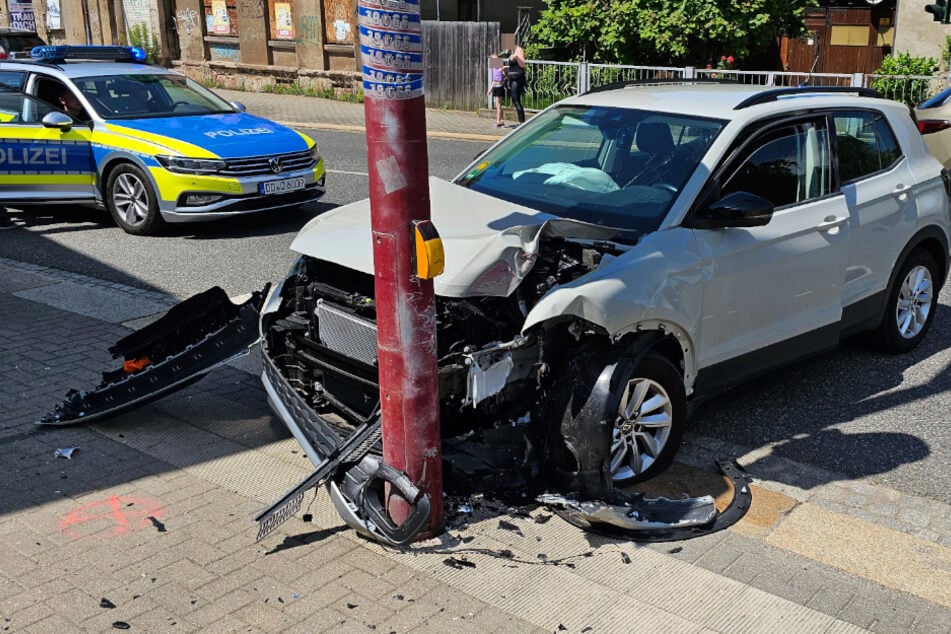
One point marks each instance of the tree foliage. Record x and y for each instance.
(693, 32)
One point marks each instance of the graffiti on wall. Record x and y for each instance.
(186, 21)
(224, 52)
(309, 31)
(21, 15)
(251, 8)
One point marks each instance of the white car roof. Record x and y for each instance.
(70, 70)
(718, 100)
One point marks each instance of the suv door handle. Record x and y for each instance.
(831, 222)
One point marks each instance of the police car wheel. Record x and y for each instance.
(131, 200)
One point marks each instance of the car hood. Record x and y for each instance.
(230, 135)
(490, 244)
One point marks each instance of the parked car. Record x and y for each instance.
(934, 123)
(16, 43)
(621, 257)
(147, 143)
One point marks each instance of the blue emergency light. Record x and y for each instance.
(61, 52)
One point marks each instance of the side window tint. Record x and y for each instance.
(786, 166)
(12, 79)
(866, 144)
(887, 144)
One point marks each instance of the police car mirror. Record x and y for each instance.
(58, 120)
(237, 105)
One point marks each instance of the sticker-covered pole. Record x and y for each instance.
(391, 51)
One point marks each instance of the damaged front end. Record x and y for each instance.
(191, 339)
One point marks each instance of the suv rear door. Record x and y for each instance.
(780, 283)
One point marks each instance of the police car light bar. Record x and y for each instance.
(62, 52)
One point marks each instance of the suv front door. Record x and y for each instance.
(774, 292)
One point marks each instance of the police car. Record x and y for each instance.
(96, 125)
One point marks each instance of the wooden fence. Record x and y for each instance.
(455, 53)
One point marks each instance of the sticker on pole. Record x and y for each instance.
(391, 48)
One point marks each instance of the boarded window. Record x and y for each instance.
(221, 17)
(848, 35)
(281, 19)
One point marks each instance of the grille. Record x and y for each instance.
(346, 333)
(255, 165)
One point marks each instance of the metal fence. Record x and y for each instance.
(548, 82)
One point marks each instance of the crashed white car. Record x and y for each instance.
(622, 256)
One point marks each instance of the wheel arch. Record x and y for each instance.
(114, 160)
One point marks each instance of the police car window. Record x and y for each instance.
(12, 79)
(150, 95)
(17, 108)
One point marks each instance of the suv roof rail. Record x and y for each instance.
(773, 95)
(61, 52)
(658, 81)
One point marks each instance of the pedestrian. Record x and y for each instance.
(497, 90)
(515, 76)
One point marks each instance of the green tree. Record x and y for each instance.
(663, 31)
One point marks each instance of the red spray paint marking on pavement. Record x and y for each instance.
(121, 514)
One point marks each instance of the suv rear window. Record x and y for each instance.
(866, 144)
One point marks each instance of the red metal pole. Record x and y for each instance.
(391, 51)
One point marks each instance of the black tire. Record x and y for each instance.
(132, 201)
(910, 305)
(593, 447)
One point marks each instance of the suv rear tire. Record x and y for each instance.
(909, 307)
(132, 201)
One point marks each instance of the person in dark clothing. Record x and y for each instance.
(515, 76)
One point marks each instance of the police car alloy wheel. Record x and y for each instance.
(132, 201)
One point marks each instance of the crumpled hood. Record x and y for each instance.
(231, 135)
(490, 244)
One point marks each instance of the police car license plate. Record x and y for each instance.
(281, 186)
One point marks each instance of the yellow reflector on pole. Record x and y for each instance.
(430, 257)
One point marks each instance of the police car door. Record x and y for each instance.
(43, 157)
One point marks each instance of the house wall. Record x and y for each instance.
(916, 33)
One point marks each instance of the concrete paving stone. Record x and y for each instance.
(264, 617)
(78, 604)
(314, 555)
(279, 567)
(54, 624)
(211, 613)
(372, 615)
(23, 615)
(89, 301)
(177, 597)
(187, 573)
(830, 600)
(719, 559)
(367, 584)
(782, 588)
(320, 590)
(933, 621)
(160, 619)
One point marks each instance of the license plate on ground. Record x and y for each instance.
(281, 186)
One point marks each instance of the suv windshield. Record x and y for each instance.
(615, 167)
(150, 95)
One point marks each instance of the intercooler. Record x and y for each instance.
(346, 333)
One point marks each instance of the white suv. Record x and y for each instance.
(624, 255)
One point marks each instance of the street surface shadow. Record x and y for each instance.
(61, 218)
(265, 223)
(816, 411)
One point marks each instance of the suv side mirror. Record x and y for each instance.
(57, 120)
(238, 106)
(739, 209)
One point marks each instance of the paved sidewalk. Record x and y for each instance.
(296, 110)
(154, 511)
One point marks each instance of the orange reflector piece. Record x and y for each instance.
(134, 365)
(430, 257)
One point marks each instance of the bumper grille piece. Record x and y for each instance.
(346, 333)
(256, 165)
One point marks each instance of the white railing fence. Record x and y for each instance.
(548, 82)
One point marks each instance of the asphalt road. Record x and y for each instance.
(852, 411)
